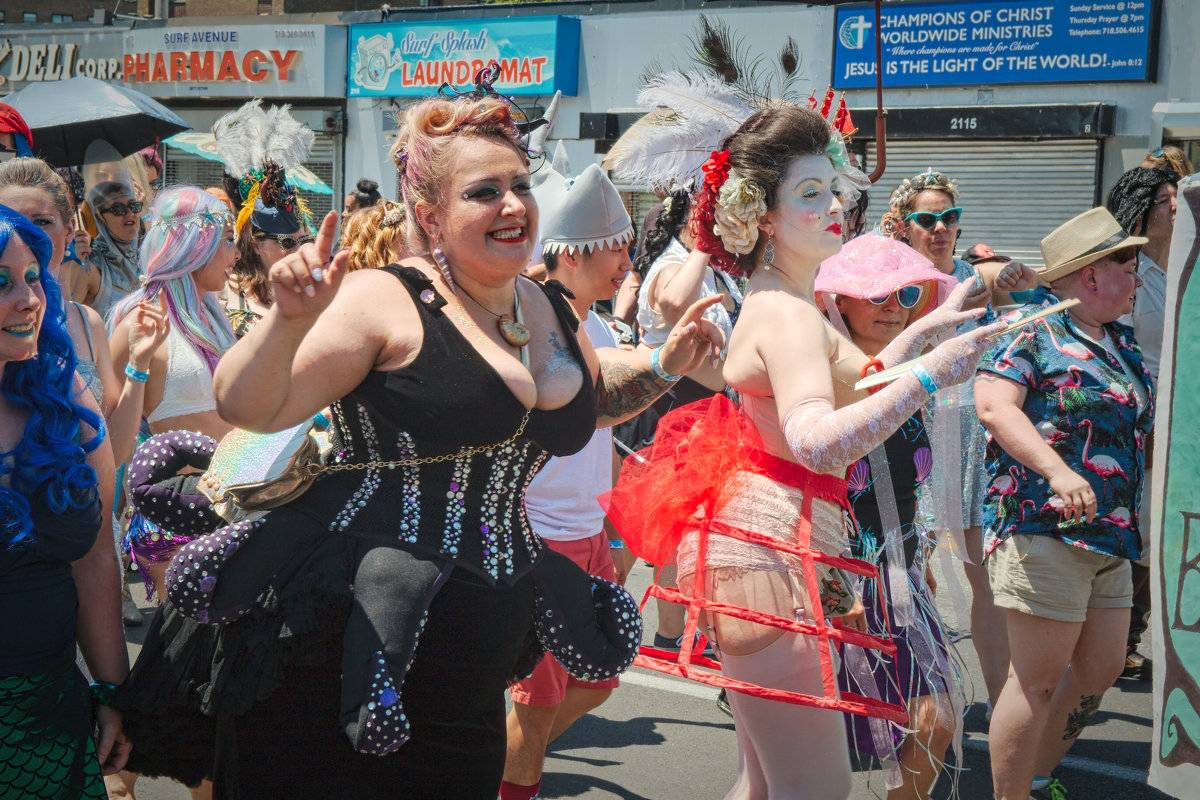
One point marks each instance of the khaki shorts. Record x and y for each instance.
(1045, 577)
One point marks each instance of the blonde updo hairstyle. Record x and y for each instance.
(425, 156)
(375, 236)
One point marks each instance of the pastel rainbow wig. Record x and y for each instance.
(187, 228)
(50, 463)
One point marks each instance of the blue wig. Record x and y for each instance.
(50, 463)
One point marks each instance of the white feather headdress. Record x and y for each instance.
(250, 137)
(693, 113)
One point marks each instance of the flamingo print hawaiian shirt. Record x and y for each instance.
(1086, 407)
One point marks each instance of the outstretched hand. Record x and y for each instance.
(305, 282)
(693, 340)
(949, 315)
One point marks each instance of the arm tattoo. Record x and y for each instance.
(1078, 719)
(623, 390)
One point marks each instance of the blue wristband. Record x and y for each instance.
(140, 377)
(616, 544)
(925, 378)
(658, 367)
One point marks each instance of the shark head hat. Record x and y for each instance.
(582, 213)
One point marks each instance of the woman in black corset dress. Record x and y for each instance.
(369, 629)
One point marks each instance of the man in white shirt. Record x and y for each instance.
(1143, 201)
(586, 233)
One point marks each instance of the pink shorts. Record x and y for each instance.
(547, 686)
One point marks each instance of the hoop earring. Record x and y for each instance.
(444, 267)
(769, 253)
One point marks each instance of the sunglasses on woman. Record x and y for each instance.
(906, 296)
(121, 209)
(928, 220)
(287, 241)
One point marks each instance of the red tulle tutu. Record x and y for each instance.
(680, 483)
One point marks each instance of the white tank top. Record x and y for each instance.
(189, 384)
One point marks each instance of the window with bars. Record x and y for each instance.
(176, 9)
(29, 16)
(264, 7)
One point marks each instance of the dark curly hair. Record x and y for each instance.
(667, 225)
(759, 150)
(1132, 196)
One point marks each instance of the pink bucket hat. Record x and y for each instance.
(872, 265)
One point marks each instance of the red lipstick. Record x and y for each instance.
(835, 228)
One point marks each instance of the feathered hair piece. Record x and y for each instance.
(693, 114)
(760, 84)
(257, 147)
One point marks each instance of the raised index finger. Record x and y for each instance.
(696, 310)
(325, 236)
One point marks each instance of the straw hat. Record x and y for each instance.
(1083, 240)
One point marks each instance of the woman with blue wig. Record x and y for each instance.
(59, 583)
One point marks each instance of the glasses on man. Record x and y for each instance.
(929, 220)
(906, 296)
(156, 184)
(121, 209)
(287, 241)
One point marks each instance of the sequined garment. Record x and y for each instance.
(469, 510)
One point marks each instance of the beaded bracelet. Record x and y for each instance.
(140, 377)
(658, 367)
(925, 378)
(102, 693)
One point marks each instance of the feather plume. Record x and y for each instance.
(698, 98)
(239, 138)
(247, 207)
(288, 142)
(715, 48)
(662, 151)
(249, 137)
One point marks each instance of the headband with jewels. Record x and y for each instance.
(257, 148)
(203, 218)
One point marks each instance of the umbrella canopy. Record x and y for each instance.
(205, 145)
(66, 116)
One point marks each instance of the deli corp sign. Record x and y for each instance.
(227, 61)
(32, 59)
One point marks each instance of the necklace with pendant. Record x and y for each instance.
(511, 326)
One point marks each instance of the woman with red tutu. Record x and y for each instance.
(775, 497)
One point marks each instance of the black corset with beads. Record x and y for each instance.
(468, 509)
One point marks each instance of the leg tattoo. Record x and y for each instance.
(1078, 719)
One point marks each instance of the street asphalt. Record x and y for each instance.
(663, 738)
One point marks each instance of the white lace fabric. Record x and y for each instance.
(766, 506)
(829, 441)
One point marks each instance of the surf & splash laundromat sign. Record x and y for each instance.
(1006, 41)
(537, 55)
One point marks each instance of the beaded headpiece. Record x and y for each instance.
(202, 218)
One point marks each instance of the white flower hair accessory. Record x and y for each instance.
(740, 203)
